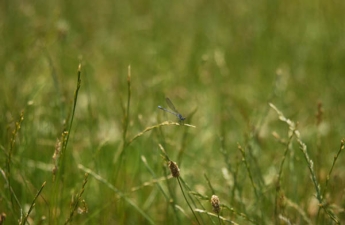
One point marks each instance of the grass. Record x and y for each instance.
(260, 84)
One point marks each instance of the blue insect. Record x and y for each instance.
(173, 110)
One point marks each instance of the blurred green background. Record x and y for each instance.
(227, 59)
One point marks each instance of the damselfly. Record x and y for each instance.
(173, 110)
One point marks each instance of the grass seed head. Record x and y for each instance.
(2, 218)
(175, 171)
(215, 203)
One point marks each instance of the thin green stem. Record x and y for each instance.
(23, 222)
(58, 188)
(126, 117)
(342, 146)
(74, 104)
(77, 200)
(9, 161)
(244, 216)
(325, 206)
(215, 215)
(248, 169)
(172, 203)
(117, 191)
(278, 186)
(187, 200)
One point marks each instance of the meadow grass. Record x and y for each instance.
(260, 83)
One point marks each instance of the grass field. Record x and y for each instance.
(261, 85)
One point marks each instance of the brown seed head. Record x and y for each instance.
(2, 218)
(215, 203)
(175, 171)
